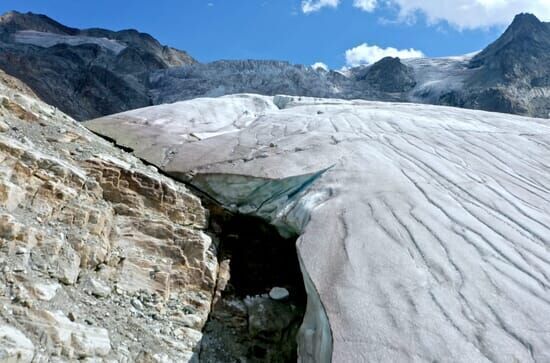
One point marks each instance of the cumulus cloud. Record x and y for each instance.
(365, 5)
(320, 66)
(462, 14)
(368, 54)
(470, 14)
(310, 6)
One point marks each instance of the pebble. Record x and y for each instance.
(136, 303)
(88, 321)
(21, 251)
(279, 293)
(4, 127)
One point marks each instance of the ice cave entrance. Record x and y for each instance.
(247, 322)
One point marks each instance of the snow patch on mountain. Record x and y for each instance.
(46, 40)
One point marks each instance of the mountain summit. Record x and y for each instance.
(521, 53)
(14, 21)
(511, 74)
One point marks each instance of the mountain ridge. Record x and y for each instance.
(99, 72)
(86, 73)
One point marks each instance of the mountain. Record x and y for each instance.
(522, 53)
(423, 230)
(511, 74)
(94, 72)
(85, 73)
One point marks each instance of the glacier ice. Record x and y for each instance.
(424, 235)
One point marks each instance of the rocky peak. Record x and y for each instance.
(525, 22)
(15, 21)
(389, 75)
(526, 28)
(521, 50)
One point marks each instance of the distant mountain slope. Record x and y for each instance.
(387, 80)
(95, 72)
(511, 75)
(86, 73)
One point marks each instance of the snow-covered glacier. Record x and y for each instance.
(424, 230)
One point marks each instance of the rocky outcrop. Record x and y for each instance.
(85, 73)
(388, 75)
(423, 230)
(101, 258)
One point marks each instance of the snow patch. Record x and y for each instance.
(47, 40)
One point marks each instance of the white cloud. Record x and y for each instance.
(462, 14)
(365, 5)
(368, 54)
(320, 66)
(309, 6)
(470, 14)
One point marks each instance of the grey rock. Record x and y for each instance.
(4, 126)
(46, 292)
(15, 346)
(136, 303)
(74, 226)
(279, 293)
(268, 318)
(95, 286)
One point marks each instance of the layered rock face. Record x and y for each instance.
(424, 230)
(102, 259)
(85, 73)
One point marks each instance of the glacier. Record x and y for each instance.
(424, 230)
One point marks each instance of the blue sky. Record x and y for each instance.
(280, 29)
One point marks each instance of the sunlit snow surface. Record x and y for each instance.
(46, 40)
(426, 231)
